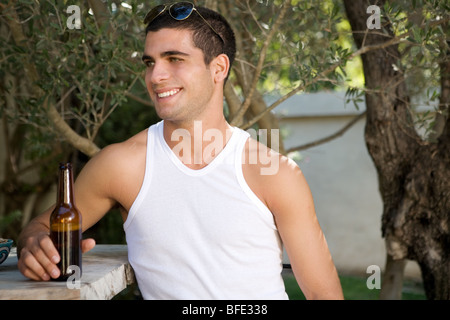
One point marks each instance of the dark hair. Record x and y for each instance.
(203, 36)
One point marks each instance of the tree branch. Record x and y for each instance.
(290, 94)
(84, 145)
(139, 99)
(101, 14)
(363, 50)
(330, 137)
(232, 98)
(259, 66)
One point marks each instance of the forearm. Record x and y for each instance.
(326, 287)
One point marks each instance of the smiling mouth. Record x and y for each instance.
(168, 93)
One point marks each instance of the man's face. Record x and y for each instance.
(177, 79)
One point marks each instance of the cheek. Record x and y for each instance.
(203, 77)
(147, 78)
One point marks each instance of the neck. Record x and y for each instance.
(197, 142)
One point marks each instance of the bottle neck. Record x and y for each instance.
(65, 188)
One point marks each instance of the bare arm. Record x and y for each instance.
(97, 190)
(284, 190)
(291, 202)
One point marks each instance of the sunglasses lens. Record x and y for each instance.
(181, 11)
(152, 14)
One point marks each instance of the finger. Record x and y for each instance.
(87, 244)
(30, 267)
(46, 256)
(43, 261)
(49, 249)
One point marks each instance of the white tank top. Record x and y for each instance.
(202, 234)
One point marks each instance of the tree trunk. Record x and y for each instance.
(393, 279)
(413, 175)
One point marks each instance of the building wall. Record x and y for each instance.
(343, 181)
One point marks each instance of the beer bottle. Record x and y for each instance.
(65, 225)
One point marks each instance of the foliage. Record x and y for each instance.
(420, 28)
(86, 74)
(93, 77)
(295, 56)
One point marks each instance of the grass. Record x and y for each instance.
(355, 288)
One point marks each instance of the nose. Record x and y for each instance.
(157, 73)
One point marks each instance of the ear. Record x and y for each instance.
(221, 65)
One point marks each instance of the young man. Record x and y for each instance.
(202, 219)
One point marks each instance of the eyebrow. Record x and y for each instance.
(165, 54)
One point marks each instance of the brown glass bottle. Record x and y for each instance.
(65, 224)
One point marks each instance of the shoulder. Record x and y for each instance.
(116, 167)
(268, 164)
(119, 156)
(128, 149)
(276, 179)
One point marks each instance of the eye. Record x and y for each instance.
(175, 59)
(149, 63)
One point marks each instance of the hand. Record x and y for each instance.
(38, 258)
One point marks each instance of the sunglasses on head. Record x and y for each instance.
(178, 11)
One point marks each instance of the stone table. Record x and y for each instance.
(106, 272)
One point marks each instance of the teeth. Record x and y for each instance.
(168, 93)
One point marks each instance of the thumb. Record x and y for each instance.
(87, 244)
